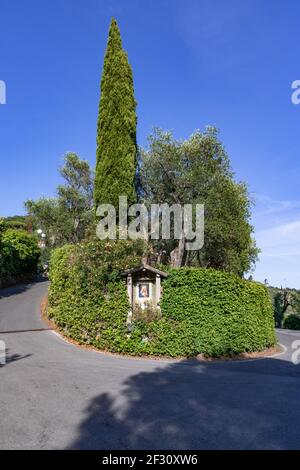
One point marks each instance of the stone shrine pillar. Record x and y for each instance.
(157, 288)
(129, 288)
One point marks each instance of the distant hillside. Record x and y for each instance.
(275, 290)
(18, 222)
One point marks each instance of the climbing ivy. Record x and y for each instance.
(202, 310)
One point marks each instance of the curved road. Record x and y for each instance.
(54, 395)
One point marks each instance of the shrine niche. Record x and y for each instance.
(144, 285)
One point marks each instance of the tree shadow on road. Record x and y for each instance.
(20, 288)
(14, 290)
(191, 405)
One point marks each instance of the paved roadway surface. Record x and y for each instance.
(54, 395)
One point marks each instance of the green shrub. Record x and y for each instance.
(202, 310)
(147, 314)
(292, 322)
(214, 313)
(19, 256)
(87, 298)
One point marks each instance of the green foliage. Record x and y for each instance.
(68, 217)
(19, 256)
(46, 215)
(116, 134)
(285, 302)
(17, 222)
(202, 310)
(294, 300)
(292, 322)
(215, 313)
(147, 314)
(75, 197)
(198, 171)
(87, 298)
(2, 227)
(278, 303)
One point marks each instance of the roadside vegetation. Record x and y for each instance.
(207, 306)
(203, 311)
(286, 305)
(19, 255)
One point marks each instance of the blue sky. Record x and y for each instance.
(195, 62)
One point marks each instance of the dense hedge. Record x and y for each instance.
(19, 256)
(87, 298)
(203, 310)
(292, 322)
(216, 313)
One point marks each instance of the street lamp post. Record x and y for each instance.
(42, 237)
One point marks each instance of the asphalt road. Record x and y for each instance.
(54, 395)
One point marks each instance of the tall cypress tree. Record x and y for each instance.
(116, 134)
